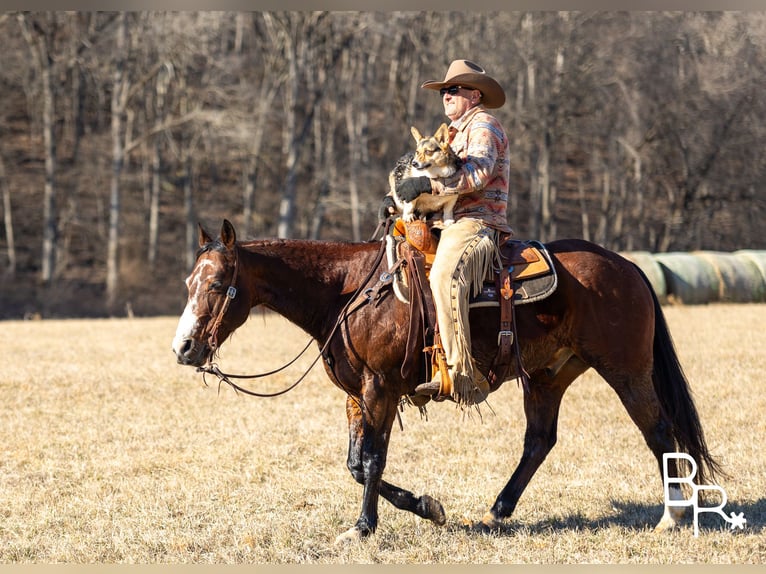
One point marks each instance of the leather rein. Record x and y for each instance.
(213, 369)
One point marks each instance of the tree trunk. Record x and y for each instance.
(50, 229)
(353, 169)
(161, 89)
(39, 46)
(287, 203)
(118, 106)
(8, 221)
(544, 181)
(603, 222)
(191, 231)
(583, 209)
(265, 100)
(323, 148)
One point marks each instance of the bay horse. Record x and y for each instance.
(603, 315)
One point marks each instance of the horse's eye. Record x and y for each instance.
(216, 286)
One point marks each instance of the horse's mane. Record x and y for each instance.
(344, 263)
(313, 250)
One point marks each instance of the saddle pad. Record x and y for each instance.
(535, 280)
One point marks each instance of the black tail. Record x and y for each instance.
(672, 387)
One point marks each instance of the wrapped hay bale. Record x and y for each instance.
(755, 259)
(689, 279)
(647, 263)
(739, 282)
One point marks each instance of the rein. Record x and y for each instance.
(231, 292)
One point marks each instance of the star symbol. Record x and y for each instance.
(738, 520)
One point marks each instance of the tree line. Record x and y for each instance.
(119, 131)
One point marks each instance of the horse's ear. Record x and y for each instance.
(203, 236)
(228, 235)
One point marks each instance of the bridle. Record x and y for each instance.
(212, 368)
(231, 292)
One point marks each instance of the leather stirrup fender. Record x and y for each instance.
(501, 365)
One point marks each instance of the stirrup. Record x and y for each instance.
(439, 387)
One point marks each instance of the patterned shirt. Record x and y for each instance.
(482, 182)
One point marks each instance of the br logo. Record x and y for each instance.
(674, 496)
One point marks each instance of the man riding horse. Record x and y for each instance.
(467, 251)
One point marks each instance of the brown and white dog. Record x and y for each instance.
(433, 157)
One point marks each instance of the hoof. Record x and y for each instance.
(351, 535)
(670, 519)
(486, 525)
(666, 525)
(433, 510)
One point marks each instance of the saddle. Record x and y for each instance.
(527, 275)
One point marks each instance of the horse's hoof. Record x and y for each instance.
(351, 535)
(670, 519)
(486, 525)
(666, 525)
(433, 510)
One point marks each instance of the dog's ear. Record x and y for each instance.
(416, 134)
(442, 135)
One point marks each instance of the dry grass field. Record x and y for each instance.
(113, 453)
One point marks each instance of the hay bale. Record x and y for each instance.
(647, 263)
(755, 259)
(690, 279)
(738, 282)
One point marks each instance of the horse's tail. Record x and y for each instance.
(672, 387)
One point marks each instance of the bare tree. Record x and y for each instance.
(120, 92)
(39, 37)
(638, 130)
(160, 95)
(294, 31)
(8, 221)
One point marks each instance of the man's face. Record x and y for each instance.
(458, 100)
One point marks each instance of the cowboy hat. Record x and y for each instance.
(470, 75)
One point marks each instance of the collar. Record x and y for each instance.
(461, 123)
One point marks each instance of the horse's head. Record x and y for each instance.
(215, 307)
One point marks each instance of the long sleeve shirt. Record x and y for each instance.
(482, 182)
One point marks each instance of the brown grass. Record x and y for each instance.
(113, 453)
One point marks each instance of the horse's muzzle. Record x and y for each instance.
(190, 353)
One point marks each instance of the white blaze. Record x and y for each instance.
(189, 321)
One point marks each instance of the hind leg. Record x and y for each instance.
(640, 400)
(541, 407)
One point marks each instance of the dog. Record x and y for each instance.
(433, 157)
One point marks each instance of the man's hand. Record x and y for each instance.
(408, 189)
(387, 208)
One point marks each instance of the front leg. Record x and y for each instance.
(369, 420)
(366, 461)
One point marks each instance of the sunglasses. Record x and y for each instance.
(452, 90)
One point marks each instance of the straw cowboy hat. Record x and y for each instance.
(470, 75)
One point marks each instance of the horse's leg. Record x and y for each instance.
(639, 398)
(368, 445)
(541, 407)
(369, 430)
